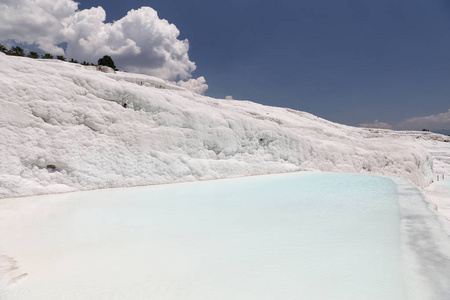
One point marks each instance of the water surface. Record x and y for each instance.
(289, 236)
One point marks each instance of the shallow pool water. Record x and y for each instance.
(289, 236)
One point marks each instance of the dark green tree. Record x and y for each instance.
(33, 54)
(47, 56)
(17, 51)
(60, 57)
(73, 61)
(3, 48)
(107, 61)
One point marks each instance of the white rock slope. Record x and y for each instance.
(64, 127)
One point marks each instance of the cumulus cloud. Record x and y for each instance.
(376, 124)
(198, 85)
(35, 22)
(139, 42)
(433, 122)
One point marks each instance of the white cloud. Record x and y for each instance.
(377, 124)
(433, 122)
(39, 21)
(198, 85)
(139, 42)
(229, 97)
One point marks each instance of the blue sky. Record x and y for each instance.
(349, 61)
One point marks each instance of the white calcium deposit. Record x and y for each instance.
(67, 127)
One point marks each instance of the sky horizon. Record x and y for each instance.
(355, 62)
